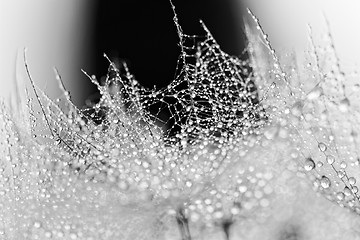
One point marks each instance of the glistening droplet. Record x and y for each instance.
(340, 195)
(325, 182)
(352, 180)
(330, 159)
(309, 164)
(322, 146)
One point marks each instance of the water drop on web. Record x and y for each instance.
(347, 191)
(343, 164)
(322, 146)
(352, 180)
(330, 159)
(341, 173)
(319, 164)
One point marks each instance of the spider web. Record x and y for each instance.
(124, 140)
(213, 95)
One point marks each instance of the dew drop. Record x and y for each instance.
(242, 189)
(330, 159)
(309, 164)
(352, 180)
(48, 234)
(341, 174)
(325, 182)
(188, 183)
(73, 236)
(344, 105)
(343, 165)
(347, 191)
(320, 164)
(314, 94)
(322, 146)
(37, 224)
(340, 196)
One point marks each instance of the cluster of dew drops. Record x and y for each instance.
(317, 100)
(189, 165)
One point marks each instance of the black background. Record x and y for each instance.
(142, 33)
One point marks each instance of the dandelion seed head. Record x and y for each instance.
(238, 129)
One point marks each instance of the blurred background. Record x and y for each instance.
(73, 35)
(55, 33)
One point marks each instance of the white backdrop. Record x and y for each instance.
(56, 33)
(286, 23)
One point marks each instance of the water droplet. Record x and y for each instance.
(60, 234)
(325, 182)
(73, 236)
(341, 174)
(344, 105)
(352, 180)
(330, 159)
(188, 183)
(48, 234)
(319, 164)
(242, 189)
(37, 224)
(347, 191)
(340, 196)
(309, 164)
(57, 141)
(322, 146)
(314, 94)
(343, 165)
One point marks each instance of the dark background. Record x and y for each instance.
(143, 33)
